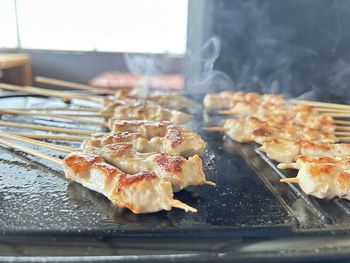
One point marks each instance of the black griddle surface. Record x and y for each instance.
(248, 216)
(35, 196)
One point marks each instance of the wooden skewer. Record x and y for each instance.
(326, 110)
(218, 129)
(31, 151)
(61, 116)
(60, 109)
(321, 104)
(73, 85)
(341, 122)
(51, 93)
(339, 114)
(293, 180)
(178, 204)
(284, 166)
(341, 133)
(174, 203)
(228, 112)
(38, 143)
(343, 139)
(52, 137)
(45, 128)
(342, 128)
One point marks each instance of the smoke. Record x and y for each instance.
(202, 77)
(288, 47)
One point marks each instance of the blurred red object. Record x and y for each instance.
(115, 80)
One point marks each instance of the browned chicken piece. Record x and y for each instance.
(324, 180)
(170, 101)
(181, 172)
(232, 99)
(252, 129)
(282, 113)
(143, 192)
(144, 110)
(163, 136)
(341, 161)
(284, 151)
(189, 145)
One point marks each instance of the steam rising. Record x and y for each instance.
(204, 78)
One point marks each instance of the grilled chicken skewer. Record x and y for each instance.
(186, 144)
(252, 129)
(181, 172)
(172, 101)
(140, 111)
(282, 113)
(141, 193)
(323, 180)
(229, 99)
(300, 160)
(284, 151)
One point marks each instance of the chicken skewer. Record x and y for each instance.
(300, 160)
(129, 109)
(152, 136)
(166, 100)
(141, 193)
(324, 181)
(281, 113)
(285, 151)
(181, 172)
(252, 129)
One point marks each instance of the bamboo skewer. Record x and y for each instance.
(51, 146)
(63, 108)
(341, 133)
(52, 137)
(321, 104)
(218, 129)
(45, 128)
(341, 122)
(52, 93)
(32, 152)
(293, 180)
(174, 203)
(73, 85)
(343, 139)
(61, 116)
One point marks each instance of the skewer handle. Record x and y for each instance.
(31, 151)
(38, 143)
(72, 85)
(293, 180)
(45, 128)
(52, 137)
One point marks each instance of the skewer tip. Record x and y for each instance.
(293, 180)
(284, 166)
(181, 205)
(210, 183)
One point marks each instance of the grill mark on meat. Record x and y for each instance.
(126, 180)
(174, 135)
(323, 169)
(119, 148)
(172, 164)
(78, 162)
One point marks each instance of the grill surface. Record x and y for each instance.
(248, 205)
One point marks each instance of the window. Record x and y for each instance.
(8, 31)
(152, 26)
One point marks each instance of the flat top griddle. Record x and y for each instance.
(248, 205)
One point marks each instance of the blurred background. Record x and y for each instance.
(297, 48)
